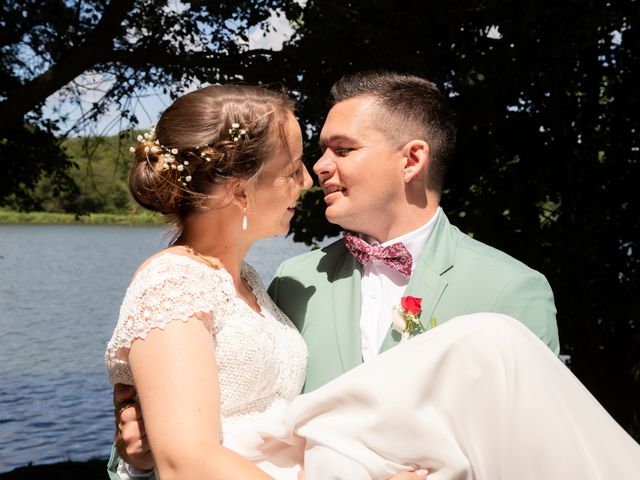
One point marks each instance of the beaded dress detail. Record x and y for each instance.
(261, 356)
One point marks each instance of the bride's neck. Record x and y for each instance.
(223, 244)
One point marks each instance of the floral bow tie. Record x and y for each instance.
(395, 256)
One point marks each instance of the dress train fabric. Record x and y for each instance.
(478, 397)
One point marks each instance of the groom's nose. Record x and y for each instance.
(324, 167)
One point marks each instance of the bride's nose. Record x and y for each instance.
(307, 181)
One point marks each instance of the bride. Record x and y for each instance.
(217, 367)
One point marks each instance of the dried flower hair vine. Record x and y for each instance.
(166, 155)
(236, 132)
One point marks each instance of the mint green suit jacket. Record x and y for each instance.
(456, 275)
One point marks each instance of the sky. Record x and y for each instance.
(150, 104)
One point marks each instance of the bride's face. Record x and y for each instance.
(277, 189)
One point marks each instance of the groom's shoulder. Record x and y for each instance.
(480, 253)
(309, 261)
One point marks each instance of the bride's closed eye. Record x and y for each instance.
(294, 173)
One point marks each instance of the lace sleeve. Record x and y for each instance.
(170, 288)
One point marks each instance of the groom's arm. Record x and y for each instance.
(130, 442)
(119, 470)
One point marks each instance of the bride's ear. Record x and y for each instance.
(238, 191)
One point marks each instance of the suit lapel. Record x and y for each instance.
(428, 280)
(346, 311)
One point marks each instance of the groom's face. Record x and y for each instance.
(360, 170)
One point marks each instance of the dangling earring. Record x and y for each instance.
(245, 221)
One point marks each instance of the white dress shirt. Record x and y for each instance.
(382, 288)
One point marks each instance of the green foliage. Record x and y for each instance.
(141, 218)
(27, 155)
(99, 175)
(307, 226)
(102, 176)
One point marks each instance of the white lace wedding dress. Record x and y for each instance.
(261, 358)
(479, 397)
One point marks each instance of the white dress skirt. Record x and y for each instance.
(479, 397)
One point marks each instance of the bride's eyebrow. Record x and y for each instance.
(295, 164)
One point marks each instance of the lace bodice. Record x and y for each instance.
(261, 358)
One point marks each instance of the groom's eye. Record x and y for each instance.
(342, 151)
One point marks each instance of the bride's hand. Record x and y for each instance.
(131, 440)
(417, 475)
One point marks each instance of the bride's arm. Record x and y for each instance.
(175, 373)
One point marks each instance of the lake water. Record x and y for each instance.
(60, 292)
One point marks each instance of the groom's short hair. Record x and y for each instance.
(411, 108)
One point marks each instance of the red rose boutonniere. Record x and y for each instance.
(412, 305)
(406, 317)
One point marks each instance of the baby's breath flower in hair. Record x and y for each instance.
(166, 155)
(237, 132)
(206, 156)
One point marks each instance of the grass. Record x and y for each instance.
(44, 218)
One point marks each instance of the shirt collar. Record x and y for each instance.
(414, 241)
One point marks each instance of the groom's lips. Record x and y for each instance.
(332, 192)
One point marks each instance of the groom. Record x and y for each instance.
(385, 144)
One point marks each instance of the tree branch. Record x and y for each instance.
(139, 60)
(73, 63)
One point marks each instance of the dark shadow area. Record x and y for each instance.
(294, 295)
(90, 470)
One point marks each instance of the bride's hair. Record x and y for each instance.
(207, 136)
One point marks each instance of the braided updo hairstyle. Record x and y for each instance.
(213, 134)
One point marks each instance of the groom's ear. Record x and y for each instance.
(416, 159)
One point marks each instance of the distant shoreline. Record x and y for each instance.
(10, 217)
(91, 469)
